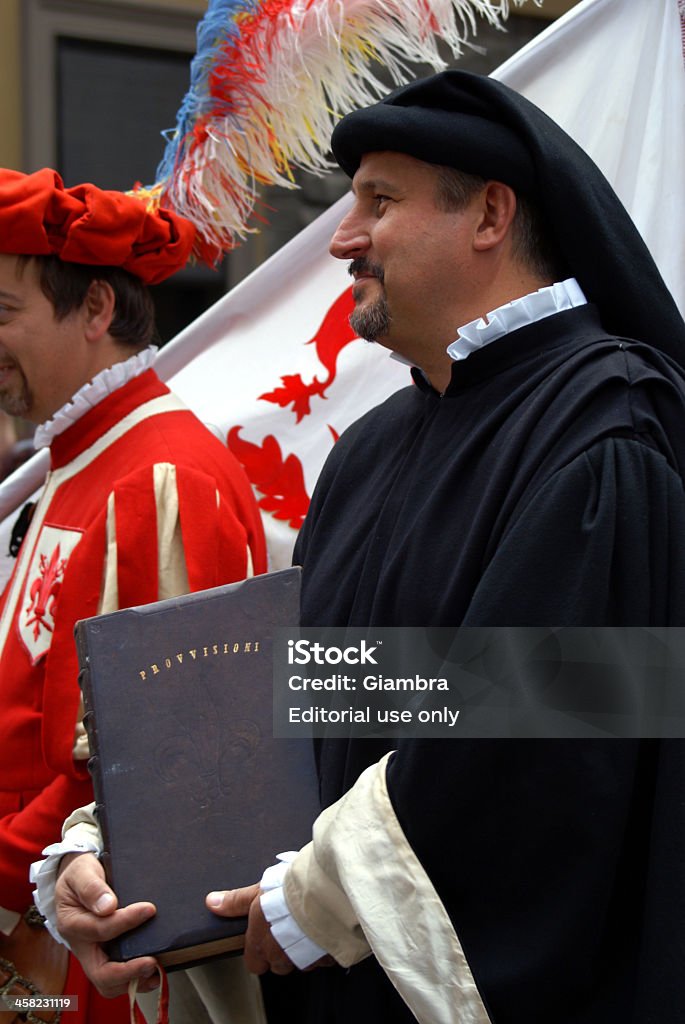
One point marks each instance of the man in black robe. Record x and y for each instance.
(532, 475)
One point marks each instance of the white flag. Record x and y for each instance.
(273, 364)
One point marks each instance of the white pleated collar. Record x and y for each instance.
(92, 393)
(528, 309)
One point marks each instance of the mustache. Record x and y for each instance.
(362, 265)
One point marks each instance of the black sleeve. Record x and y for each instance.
(601, 543)
(546, 853)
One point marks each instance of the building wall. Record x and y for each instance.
(10, 88)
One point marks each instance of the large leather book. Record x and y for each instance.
(193, 792)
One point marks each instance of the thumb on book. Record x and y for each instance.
(105, 903)
(233, 902)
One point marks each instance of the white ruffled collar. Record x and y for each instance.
(527, 310)
(92, 393)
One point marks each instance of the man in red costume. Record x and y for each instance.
(141, 503)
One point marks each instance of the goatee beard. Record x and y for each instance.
(373, 321)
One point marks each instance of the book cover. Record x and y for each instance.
(193, 792)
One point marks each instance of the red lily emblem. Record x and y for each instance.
(45, 591)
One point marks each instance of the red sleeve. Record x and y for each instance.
(215, 527)
(214, 536)
(214, 539)
(23, 836)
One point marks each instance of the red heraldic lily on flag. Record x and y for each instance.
(280, 481)
(335, 332)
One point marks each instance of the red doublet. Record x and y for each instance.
(137, 488)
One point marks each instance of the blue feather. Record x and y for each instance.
(217, 26)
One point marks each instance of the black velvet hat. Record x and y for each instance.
(480, 126)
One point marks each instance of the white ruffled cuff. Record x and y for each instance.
(299, 947)
(44, 877)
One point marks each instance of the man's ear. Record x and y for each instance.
(498, 207)
(98, 307)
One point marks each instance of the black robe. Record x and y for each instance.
(544, 488)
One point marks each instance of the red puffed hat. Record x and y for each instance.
(84, 224)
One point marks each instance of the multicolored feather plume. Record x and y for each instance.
(268, 83)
